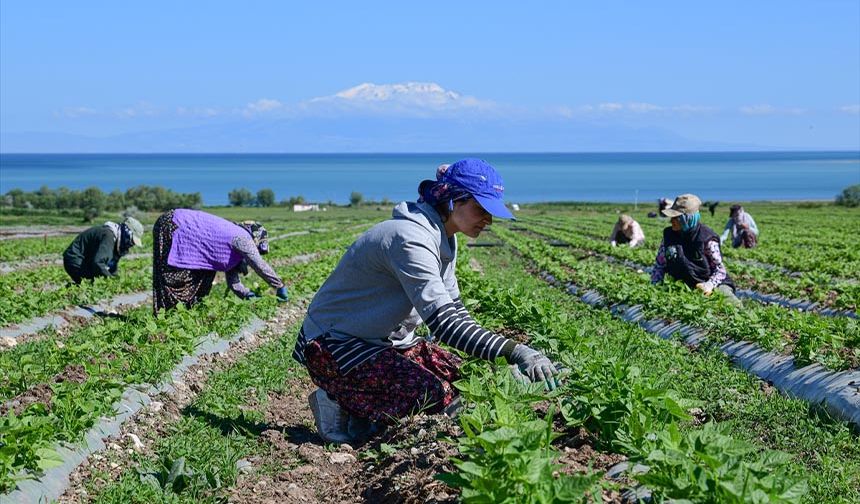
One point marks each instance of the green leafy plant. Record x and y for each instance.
(709, 466)
(613, 401)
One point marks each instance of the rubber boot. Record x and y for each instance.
(360, 428)
(453, 409)
(331, 420)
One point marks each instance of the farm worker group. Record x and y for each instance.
(96, 252)
(358, 339)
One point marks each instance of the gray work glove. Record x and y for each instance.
(533, 365)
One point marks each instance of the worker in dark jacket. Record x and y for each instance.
(690, 251)
(96, 251)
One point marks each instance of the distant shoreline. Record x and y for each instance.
(463, 153)
(528, 177)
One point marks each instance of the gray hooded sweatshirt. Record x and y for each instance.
(396, 275)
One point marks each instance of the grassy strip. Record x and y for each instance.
(823, 449)
(138, 355)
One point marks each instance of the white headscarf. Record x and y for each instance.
(117, 233)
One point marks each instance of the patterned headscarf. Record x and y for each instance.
(434, 192)
(125, 241)
(258, 233)
(689, 222)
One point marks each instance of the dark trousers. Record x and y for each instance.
(73, 271)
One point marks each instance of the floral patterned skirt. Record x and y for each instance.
(390, 385)
(171, 285)
(745, 239)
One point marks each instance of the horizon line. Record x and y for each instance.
(396, 153)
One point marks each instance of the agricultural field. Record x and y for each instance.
(113, 405)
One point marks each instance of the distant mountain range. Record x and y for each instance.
(372, 134)
(406, 117)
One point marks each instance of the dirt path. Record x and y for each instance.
(398, 465)
(140, 433)
(15, 232)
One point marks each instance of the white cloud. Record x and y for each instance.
(766, 109)
(203, 112)
(563, 111)
(142, 109)
(694, 109)
(262, 106)
(762, 109)
(610, 107)
(643, 108)
(76, 112)
(850, 109)
(421, 98)
(633, 108)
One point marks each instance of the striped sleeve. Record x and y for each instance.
(452, 325)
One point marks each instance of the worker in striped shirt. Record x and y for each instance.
(358, 338)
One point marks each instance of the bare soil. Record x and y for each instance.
(42, 393)
(139, 435)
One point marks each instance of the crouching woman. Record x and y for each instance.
(358, 338)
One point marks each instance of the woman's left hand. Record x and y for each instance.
(535, 366)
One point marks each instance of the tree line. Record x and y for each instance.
(241, 196)
(93, 200)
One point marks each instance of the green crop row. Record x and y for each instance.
(826, 238)
(23, 248)
(135, 349)
(508, 453)
(33, 293)
(832, 341)
(621, 379)
(812, 286)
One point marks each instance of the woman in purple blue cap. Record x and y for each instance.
(358, 338)
(190, 247)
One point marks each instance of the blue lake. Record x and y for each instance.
(529, 177)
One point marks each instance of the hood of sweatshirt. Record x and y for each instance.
(428, 218)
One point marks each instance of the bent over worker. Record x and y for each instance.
(358, 338)
(742, 228)
(191, 246)
(96, 252)
(627, 231)
(690, 251)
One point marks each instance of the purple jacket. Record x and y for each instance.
(203, 241)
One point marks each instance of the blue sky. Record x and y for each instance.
(723, 76)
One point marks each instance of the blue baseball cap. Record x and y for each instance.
(482, 181)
